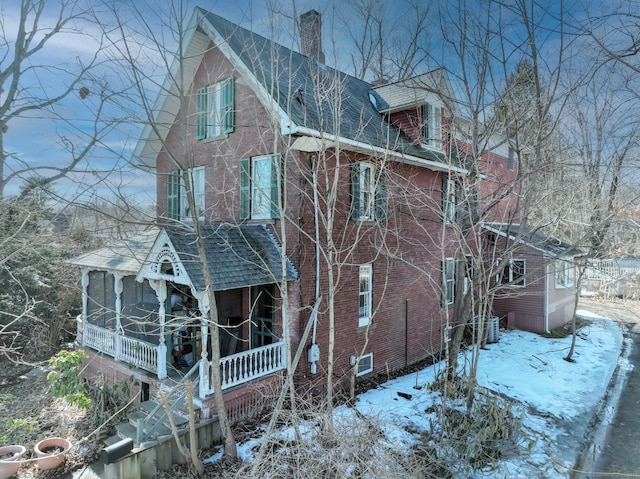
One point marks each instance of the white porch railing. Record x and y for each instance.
(248, 365)
(100, 339)
(138, 353)
(141, 354)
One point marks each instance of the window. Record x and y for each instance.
(261, 180)
(216, 114)
(177, 204)
(511, 163)
(514, 273)
(365, 364)
(448, 281)
(368, 192)
(468, 273)
(563, 273)
(365, 295)
(449, 201)
(432, 125)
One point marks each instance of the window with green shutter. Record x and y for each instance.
(261, 179)
(368, 192)
(173, 195)
(432, 125)
(177, 203)
(216, 109)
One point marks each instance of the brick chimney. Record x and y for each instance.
(311, 35)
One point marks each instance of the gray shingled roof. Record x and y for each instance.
(536, 239)
(292, 77)
(238, 256)
(126, 256)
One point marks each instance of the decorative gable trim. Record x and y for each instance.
(163, 252)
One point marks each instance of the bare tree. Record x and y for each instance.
(38, 84)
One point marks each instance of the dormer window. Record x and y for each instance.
(432, 125)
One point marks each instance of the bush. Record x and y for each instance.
(65, 379)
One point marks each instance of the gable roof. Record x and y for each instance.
(238, 256)
(285, 81)
(535, 239)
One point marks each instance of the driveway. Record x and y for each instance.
(615, 449)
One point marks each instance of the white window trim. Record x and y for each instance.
(450, 202)
(365, 320)
(261, 188)
(511, 279)
(215, 110)
(362, 372)
(197, 177)
(449, 298)
(367, 192)
(434, 127)
(567, 268)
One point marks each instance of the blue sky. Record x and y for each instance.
(37, 140)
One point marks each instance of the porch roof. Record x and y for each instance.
(125, 256)
(238, 256)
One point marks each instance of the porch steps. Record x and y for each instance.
(128, 430)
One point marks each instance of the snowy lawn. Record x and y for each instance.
(555, 398)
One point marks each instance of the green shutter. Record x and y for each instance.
(381, 195)
(277, 170)
(355, 191)
(228, 93)
(426, 121)
(201, 115)
(245, 188)
(173, 195)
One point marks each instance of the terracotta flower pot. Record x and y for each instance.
(51, 451)
(10, 460)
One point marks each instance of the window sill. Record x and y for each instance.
(369, 327)
(221, 137)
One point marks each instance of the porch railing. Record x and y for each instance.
(141, 354)
(100, 339)
(248, 365)
(138, 353)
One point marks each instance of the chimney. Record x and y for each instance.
(311, 35)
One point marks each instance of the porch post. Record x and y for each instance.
(117, 288)
(160, 287)
(203, 306)
(85, 300)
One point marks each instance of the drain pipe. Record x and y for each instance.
(314, 351)
(406, 331)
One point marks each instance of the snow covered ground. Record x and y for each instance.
(557, 399)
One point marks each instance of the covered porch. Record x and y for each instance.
(145, 304)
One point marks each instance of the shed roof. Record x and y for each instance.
(535, 239)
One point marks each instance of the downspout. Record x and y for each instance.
(546, 299)
(406, 332)
(315, 350)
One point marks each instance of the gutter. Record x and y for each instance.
(361, 147)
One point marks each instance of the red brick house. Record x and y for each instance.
(302, 177)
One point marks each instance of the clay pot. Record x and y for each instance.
(10, 460)
(51, 451)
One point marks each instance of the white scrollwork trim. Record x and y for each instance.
(166, 255)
